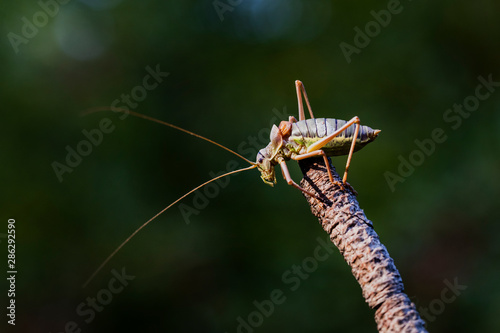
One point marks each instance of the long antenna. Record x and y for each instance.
(154, 217)
(140, 115)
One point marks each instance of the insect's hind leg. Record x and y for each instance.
(351, 151)
(321, 143)
(302, 90)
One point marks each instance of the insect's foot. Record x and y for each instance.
(339, 184)
(345, 186)
(350, 188)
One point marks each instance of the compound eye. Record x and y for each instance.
(260, 158)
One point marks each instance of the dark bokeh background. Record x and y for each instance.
(226, 78)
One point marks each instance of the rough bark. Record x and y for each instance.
(341, 217)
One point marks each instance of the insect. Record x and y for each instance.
(313, 137)
(292, 139)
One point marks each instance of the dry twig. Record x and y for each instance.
(353, 234)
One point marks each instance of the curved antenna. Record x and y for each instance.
(154, 217)
(143, 116)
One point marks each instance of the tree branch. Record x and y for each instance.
(341, 217)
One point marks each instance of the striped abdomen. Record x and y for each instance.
(307, 132)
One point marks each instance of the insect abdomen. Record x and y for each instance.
(307, 132)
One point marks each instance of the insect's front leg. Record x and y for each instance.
(289, 180)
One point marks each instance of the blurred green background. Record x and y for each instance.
(230, 64)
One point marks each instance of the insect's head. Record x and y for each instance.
(266, 167)
(266, 157)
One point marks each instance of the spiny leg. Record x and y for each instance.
(301, 89)
(289, 180)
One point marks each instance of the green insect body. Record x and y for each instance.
(307, 132)
(298, 139)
